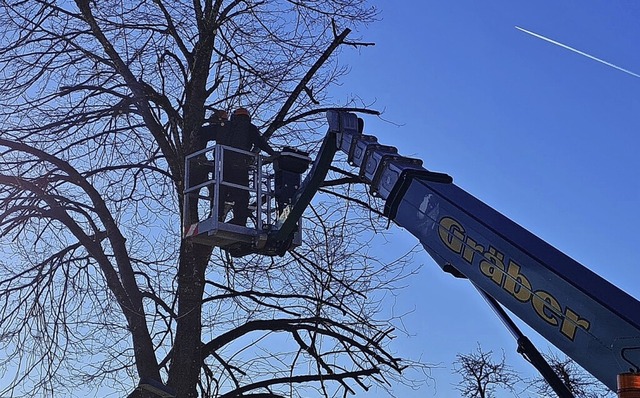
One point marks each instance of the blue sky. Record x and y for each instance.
(544, 135)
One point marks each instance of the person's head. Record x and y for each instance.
(241, 114)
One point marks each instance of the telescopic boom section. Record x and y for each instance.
(589, 319)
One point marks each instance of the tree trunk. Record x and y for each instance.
(186, 353)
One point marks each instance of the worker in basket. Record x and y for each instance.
(202, 167)
(240, 134)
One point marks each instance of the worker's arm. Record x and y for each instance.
(261, 142)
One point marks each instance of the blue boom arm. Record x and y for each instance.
(588, 318)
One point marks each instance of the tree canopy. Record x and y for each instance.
(100, 103)
(482, 376)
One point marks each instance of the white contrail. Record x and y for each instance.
(578, 51)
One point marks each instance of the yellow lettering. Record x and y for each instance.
(494, 268)
(547, 307)
(509, 277)
(470, 248)
(571, 322)
(517, 284)
(452, 234)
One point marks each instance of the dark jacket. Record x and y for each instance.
(242, 134)
(209, 132)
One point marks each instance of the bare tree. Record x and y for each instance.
(100, 103)
(481, 376)
(580, 383)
